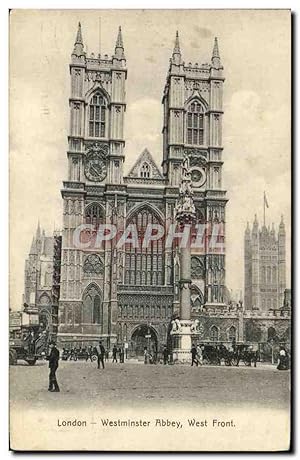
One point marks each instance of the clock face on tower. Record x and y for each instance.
(198, 176)
(96, 164)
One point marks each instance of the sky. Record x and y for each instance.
(255, 52)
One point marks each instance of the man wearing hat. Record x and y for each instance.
(101, 354)
(53, 365)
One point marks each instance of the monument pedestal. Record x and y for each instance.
(182, 343)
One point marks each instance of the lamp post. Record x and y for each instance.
(272, 350)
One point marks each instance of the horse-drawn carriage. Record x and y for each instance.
(216, 354)
(75, 354)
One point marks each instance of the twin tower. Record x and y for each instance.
(193, 111)
(112, 291)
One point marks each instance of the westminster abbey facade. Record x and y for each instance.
(124, 294)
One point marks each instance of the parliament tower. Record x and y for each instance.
(265, 267)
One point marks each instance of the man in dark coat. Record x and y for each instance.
(101, 354)
(122, 354)
(53, 365)
(194, 355)
(114, 351)
(165, 355)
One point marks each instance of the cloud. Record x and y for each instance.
(203, 32)
(194, 44)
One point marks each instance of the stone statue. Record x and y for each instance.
(176, 325)
(185, 168)
(195, 326)
(185, 208)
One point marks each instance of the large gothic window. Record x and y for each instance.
(197, 267)
(94, 215)
(97, 109)
(96, 310)
(92, 306)
(195, 124)
(144, 265)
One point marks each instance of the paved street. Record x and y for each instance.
(141, 384)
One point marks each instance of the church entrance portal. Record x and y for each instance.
(143, 336)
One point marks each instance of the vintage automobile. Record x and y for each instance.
(31, 346)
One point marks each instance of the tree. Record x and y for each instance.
(253, 332)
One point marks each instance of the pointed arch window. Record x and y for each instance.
(92, 306)
(144, 265)
(214, 334)
(232, 334)
(145, 170)
(96, 310)
(195, 124)
(97, 115)
(197, 267)
(94, 215)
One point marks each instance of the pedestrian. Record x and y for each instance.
(194, 355)
(30, 339)
(283, 363)
(146, 355)
(114, 352)
(165, 355)
(122, 354)
(119, 353)
(100, 354)
(89, 354)
(53, 365)
(199, 355)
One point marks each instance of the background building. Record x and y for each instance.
(265, 267)
(42, 278)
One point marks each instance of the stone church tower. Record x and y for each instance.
(265, 267)
(95, 156)
(193, 112)
(125, 293)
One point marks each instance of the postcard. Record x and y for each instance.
(150, 230)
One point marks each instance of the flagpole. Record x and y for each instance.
(99, 32)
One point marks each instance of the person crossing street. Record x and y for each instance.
(53, 365)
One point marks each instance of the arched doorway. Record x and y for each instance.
(143, 336)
